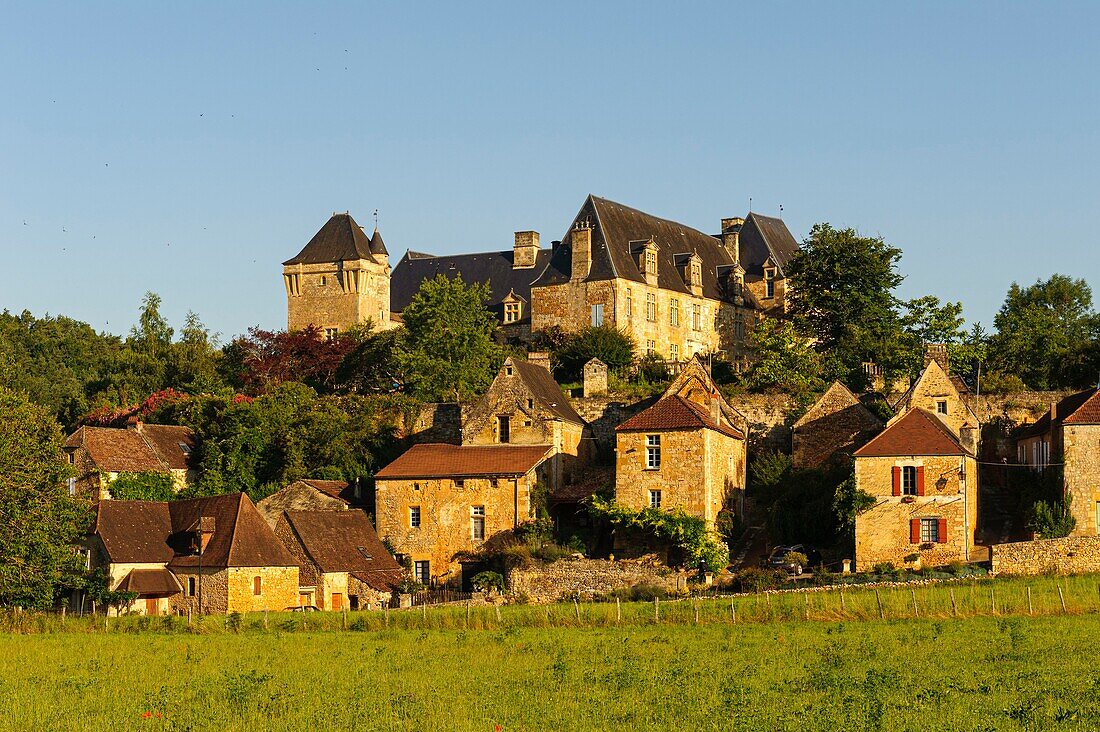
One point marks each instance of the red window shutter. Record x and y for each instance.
(943, 531)
(897, 480)
(914, 531)
(920, 480)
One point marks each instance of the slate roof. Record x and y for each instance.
(146, 447)
(335, 488)
(345, 541)
(764, 236)
(676, 413)
(377, 246)
(339, 240)
(159, 531)
(437, 460)
(494, 268)
(547, 391)
(150, 582)
(918, 432)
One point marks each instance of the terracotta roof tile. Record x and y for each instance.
(918, 432)
(676, 413)
(446, 461)
(1082, 408)
(147, 447)
(345, 541)
(546, 390)
(134, 531)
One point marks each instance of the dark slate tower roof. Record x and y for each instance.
(339, 240)
(377, 246)
(764, 236)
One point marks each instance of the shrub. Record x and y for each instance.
(998, 383)
(1052, 520)
(612, 346)
(885, 569)
(797, 558)
(144, 486)
(488, 582)
(516, 556)
(756, 579)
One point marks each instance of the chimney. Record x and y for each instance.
(581, 240)
(539, 358)
(716, 409)
(1053, 413)
(731, 236)
(526, 250)
(937, 352)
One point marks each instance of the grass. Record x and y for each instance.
(542, 668)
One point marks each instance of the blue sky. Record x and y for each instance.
(190, 148)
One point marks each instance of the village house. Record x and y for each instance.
(310, 494)
(944, 394)
(341, 562)
(1069, 434)
(834, 427)
(100, 454)
(687, 451)
(525, 406)
(677, 291)
(202, 555)
(340, 280)
(437, 503)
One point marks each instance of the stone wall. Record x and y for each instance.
(1071, 555)
(589, 578)
(337, 294)
(1081, 446)
(278, 588)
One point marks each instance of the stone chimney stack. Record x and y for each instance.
(731, 236)
(539, 358)
(937, 352)
(580, 239)
(526, 250)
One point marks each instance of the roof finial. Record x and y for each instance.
(376, 219)
(750, 204)
(781, 210)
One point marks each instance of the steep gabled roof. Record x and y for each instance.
(545, 390)
(343, 541)
(150, 583)
(763, 237)
(339, 240)
(437, 460)
(917, 432)
(676, 413)
(146, 447)
(836, 398)
(615, 227)
(134, 531)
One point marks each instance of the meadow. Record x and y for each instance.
(673, 665)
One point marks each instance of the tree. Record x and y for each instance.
(842, 295)
(609, 344)
(449, 353)
(784, 359)
(144, 486)
(374, 366)
(193, 360)
(264, 359)
(41, 522)
(1040, 326)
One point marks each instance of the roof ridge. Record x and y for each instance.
(233, 534)
(298, 534)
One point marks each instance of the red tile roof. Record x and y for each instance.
(1085, 409)
(918, 432)
(457, 461)
(338, 489)
(345, 541)
(676, 413)
(147, 447)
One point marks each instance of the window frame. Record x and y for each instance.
(930, 531)
(597, 314)
(652, 452)
(941, 406)
(512, 312)
(422, 571)
(908, 486)
(651, 307)
(416, 518)
(674, 314)
(655, 498)
(477, 521)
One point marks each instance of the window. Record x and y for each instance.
(511, 312)
(674, 351)
(257, 585)
(696, 274)
(696, 317)
(414, 517)
(191, 586)
(72, 486)
(416, 486)
(597, 315)
(651, 307)
(530, 403)
(331, 333)
(363, 552)
(422, 571)
(651, 262)
(185, 448)
(650, 347)
(460, 484)
(652, 452)
(629, 303)
(909, 480)
(324, 281)
(769, 282)
(477, 523)
(674, 314)
(508, 371)
(941, 406)
(929, 530)
(654, 499)
(504, 429)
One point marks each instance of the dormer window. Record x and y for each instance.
(696, 273)
(650, 262)
(769, 282)
(512, 312)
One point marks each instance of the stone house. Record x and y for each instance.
(204, 555)
(525, 406)
(834, 427)
(1069, 433)
(341, 562)
(688, 451)
(99, 454)
(677, 291)
(925, 483)
(508, 273)
(340, 279)
(310, 494)
(437, 503)
(945, 395)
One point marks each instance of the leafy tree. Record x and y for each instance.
(930, 321)
(785, 360)
(41, 522)
(193, 361)
(848, 502)
(97, 584)
(687, 534)
(374, 366)
(449, 353)
(264, 359)
(842, 295)
(609, 344)
(144, 486)
(1040, 326)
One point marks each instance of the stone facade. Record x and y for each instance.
(233, 589)
(589, 578)
(595, 378)
(836, 425)
(1081, 454)
(1071, 555)
(885, 532)
(935, 391)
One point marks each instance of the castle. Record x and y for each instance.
(678, 291)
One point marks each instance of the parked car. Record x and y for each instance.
(778, 558)
(304, 609)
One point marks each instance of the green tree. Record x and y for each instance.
(193, 361)
(842, 295)
(1040, 326)
(449, 353)
(785, 359)
(41, 522)
(144, 486)
(609, 344)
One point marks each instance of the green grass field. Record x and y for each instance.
(529, 670)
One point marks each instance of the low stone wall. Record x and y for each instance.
(589, 578)
(1071, 555)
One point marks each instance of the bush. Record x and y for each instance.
(612, 346)
(1052, 520)
(885, 569)
(998, 383)
(488, 582)
(797, 558)
(145, 486)
(756, 579)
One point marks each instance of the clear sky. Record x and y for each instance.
(190, 148)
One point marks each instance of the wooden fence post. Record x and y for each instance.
(992, 600)
(1061, 597)
(467, 614)
(954, 607)
(497, 608)
(881, 612)
(733, 611)
(265, 617)
(657, 609)
(696, 604)
(618, 611)
(577, 609)
(843, 606)
(807, 615)
(914, 593)
(1029, 611)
